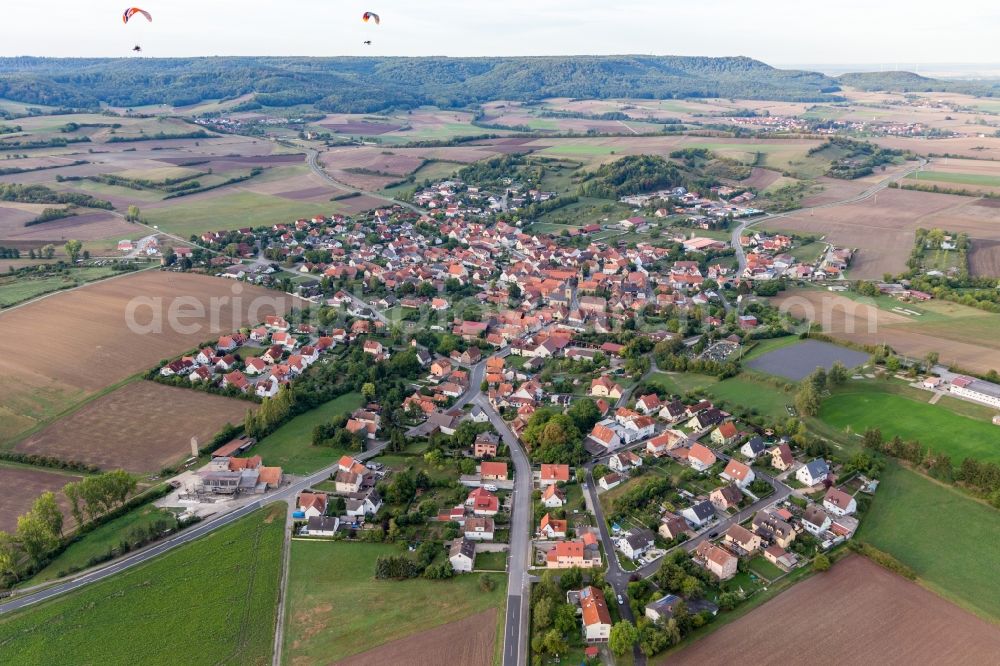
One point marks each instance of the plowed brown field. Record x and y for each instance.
(856, 613)
(56, 351)
(468, 642)
(141, 427)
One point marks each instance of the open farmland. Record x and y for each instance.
(20, 486)
(882, 228)
(231, 209)
(14, 289)
(972, 147)
(468, 642)
(217, 595)
(984, 258)
(90, 346)
(916, 520)
(959, 334)
(424, 124)
(141, 427)
(796, 361)
(857, 612)
(336, 607)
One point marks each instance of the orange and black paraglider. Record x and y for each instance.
(371, 16)
(132, 11)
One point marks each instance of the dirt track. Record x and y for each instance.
(468, 642)
(856, 613)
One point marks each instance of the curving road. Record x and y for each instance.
(313, 161)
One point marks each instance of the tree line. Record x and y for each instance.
(39, 535)
(364, 85)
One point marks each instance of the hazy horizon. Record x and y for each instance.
(891, 33)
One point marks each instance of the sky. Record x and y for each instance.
(890, 33)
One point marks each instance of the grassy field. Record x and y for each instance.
(859, 407)
(680, 382)
(213, 600)
(949, 539)
(751, 392)
(435, 170)
(231, 211)
(808, 252)
(17, 290)
(290, 446)
(102, 540)
(336, 608)
(981, 179)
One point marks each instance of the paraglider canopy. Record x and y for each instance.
(370, 16)
(132, 11)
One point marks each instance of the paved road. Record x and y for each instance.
(286, 493)
(313, 161)
(867, 194)
(781, 491)
(518, 587)
(617, 577)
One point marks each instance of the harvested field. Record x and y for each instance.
(85, 226)
(361, 127)
(882, 228)
(868, 615)
(90, 345)
(141, 427)
(20, 486)
(760, 178)
(795, 362)
(468, 642)
(372, 159)
(974, 147)
(984, 259)
(318, 193)
(968, 346)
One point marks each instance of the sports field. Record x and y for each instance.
(336, 607)
(212, 601)
(934, 426)
(947, 538)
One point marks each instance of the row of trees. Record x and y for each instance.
(39, 534)
(981, 477)
(94, 495)
(810, 393)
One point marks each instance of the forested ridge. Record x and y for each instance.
(365, 85)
